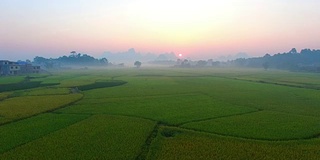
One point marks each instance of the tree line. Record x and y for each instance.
(73, 59)
(305, 60)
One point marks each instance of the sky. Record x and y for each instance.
(197, 29)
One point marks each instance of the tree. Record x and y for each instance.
(265, 65)
(73, 53)
(185, 63)
(49, 65)
(202, 63)
(137, 64)
(40, 60)
(293, 51)
(104, 61)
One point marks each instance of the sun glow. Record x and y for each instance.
(180, 22)
(195, 28)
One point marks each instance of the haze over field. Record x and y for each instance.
(195, 28)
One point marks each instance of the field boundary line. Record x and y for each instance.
(256, 139)
(43, 135)
(212, 118)
(266, 82)
(47, 111)
(165, 124)
(146, 146)
(82, 114)
(150, 96)
(257, 81)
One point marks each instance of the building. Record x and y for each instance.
(3, 67)
(15, 68)
(29, 68)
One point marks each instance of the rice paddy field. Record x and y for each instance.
(161, 113)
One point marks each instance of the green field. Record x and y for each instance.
(161, 113)
(97, 137)
(24, 131)
(186, 144)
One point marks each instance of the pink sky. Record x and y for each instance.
(199, 29)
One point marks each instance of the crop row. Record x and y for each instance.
(20, 107)
(167, 109)
(24, 131)
(98, 137)
(195, 145)
(262, 125)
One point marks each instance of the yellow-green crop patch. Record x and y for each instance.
(42, 92)
(262, 125)
(24, 131)
(190, 145)
(98, 137)
(21, 107)
(48, 91)
(4, 95)
(80, 80)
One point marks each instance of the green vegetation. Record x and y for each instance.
(11, 79)
(41, 92)
(262, 125)
(20, 107)
(22, 85)
(21, 132)
(99, 137)
(101, 85)
(189, 145)
(161, 113)
(171, 109)
(4, 95)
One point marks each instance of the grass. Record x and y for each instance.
(211, 113)
(41, 92)
(4, 95)
(171, 109)
(304, 80)
(196, 145)
(98, 137)
(80, 79)
(20, 107)
(170, 94)
(262, 125)
(11, 79)
(22, 86)
(48, 91)
(105, 84)
(21, 132)
(138, 86)
(262, 96)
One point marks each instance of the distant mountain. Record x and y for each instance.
(306, 60)
(131, 55)
(167, 57)
(233, 57)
